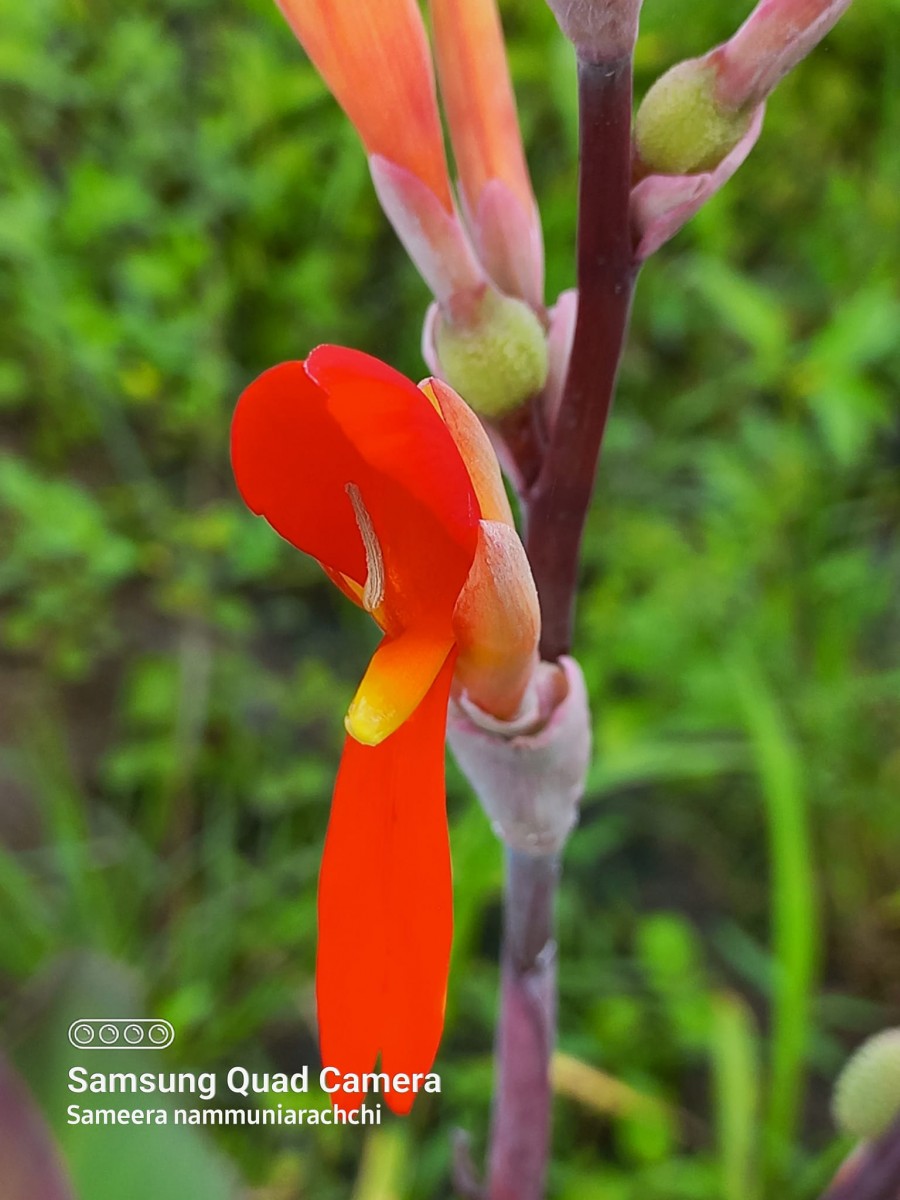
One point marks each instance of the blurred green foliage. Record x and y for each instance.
(182, 205)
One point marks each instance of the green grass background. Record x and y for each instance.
(181, 205)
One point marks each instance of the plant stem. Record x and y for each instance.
(526, 1033)
(558, 503)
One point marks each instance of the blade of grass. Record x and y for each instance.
(737, 1086)
(27, 930)
(597, 1090)
(383, 1166)
(795, 928)
(93, 915)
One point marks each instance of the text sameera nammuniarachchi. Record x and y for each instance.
(238, 1082)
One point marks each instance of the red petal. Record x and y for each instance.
(292, 463)
(352, 947)
(385, 903)
(303, 432)
(382, 413)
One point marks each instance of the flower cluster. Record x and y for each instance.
(396, 491)
(484, 264)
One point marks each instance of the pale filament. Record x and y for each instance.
(373, 592)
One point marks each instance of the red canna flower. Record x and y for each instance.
(396, 492)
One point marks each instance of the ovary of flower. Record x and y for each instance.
(396, 491)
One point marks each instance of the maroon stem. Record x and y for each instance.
(558, 503)
(526, 1033)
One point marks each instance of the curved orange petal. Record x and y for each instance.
(478, 98)
(385, 903)
(376, 61)
(398, 677)
(497, 623)
(384, 415)
(475, 449)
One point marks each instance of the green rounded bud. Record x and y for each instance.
(499, 361)
(680, 129)
(867, 1094)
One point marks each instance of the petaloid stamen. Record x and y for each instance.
(373, 592)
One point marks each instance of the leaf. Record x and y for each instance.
(795, 933)
(737, 1086)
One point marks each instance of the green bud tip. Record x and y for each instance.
(499, 361)
(680, 129)
(867, 1093)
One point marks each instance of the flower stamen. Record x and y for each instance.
(373, 592)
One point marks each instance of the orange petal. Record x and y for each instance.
(385, 903)
(481, 113)
(478, 97)
(475, 448)
(497, 623)
(401, 672)
(375, 59)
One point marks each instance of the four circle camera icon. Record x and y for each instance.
(132, 1034)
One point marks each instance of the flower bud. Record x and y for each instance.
(681, 128)
(773, 39)
(662, 204)
(496, 361)
(867, 1094)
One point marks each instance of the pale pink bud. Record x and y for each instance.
(773, 39)
(432, 236)
(508, 237)
(560, 337)
(699, 121)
